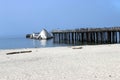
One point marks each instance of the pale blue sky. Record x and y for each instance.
(20, 17)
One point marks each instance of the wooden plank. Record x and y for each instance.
(18, 52)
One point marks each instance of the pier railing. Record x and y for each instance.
(89, 30)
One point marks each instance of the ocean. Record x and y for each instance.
(22, 42)
(17, 43)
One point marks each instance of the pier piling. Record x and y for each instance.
(87, 36)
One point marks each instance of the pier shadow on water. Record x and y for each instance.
(78, 43)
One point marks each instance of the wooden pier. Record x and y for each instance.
(87, 36)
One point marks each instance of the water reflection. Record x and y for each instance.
(39, 43)
(35, 43)
(47, 43)
(43, 43)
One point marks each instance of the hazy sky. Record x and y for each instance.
(20, 17)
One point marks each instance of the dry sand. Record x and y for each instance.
(100, 62)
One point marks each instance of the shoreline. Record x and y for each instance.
(63, 46)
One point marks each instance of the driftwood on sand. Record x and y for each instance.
(77, 47)
(18, 52)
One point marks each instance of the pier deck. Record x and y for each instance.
(88, 36)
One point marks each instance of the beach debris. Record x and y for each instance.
(110, 76)
(95, 76)
(77, 47)
(18, 52)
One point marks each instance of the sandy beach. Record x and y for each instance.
(99, 62)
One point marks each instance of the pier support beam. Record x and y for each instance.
(119, 37)
(88, 36)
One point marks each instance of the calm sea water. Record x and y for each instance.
(15, 43)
